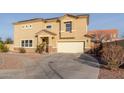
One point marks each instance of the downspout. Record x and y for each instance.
(59, 29)
(37, 40)
(84, 45)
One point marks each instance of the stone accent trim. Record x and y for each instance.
(28, 50)
(52, 50)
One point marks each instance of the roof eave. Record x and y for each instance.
(30, 20)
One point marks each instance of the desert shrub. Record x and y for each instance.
(96, 51)
(40, 48)
(22, 50)
(113, 55)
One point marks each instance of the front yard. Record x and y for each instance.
(53, 66)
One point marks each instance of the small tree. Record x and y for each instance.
(113, 55)
(122, 36)
(41, 48)
(8, 41)
(99, 38)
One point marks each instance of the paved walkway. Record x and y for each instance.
(55, 66)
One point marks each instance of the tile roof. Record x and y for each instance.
(34, 19)
(44, 30)
(109, 31)
(98, 33)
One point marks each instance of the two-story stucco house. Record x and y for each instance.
(65, 34)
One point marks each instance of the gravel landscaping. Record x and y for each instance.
(108, 74)
(10, 62)
(15, 60)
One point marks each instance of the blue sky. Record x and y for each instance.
(97, 21)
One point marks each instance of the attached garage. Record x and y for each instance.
(70, 47)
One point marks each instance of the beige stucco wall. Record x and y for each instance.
(29, 34)
(88, 43)
(79, 28)
(55, 29)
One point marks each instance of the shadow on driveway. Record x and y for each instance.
(88, 60)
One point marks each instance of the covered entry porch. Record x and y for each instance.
(48, 40)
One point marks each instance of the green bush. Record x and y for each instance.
(22, 50)
(3, 48)
(1, 45)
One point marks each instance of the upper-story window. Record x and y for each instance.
(49, 26)
(27, 27)
(30, 27)
(68, 26)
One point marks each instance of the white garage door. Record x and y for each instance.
(70, 47)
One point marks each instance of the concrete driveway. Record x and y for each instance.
(54, 66)
(70, 66)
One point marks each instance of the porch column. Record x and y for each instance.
(50, 44)
(37, 39)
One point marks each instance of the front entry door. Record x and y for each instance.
(46, 43)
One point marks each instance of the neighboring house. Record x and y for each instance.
(65, 34)
(117, 41)
(106, 35)
(102, 36)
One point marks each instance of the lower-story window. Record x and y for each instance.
(30, 43)
(22, 43)
(26, 43)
